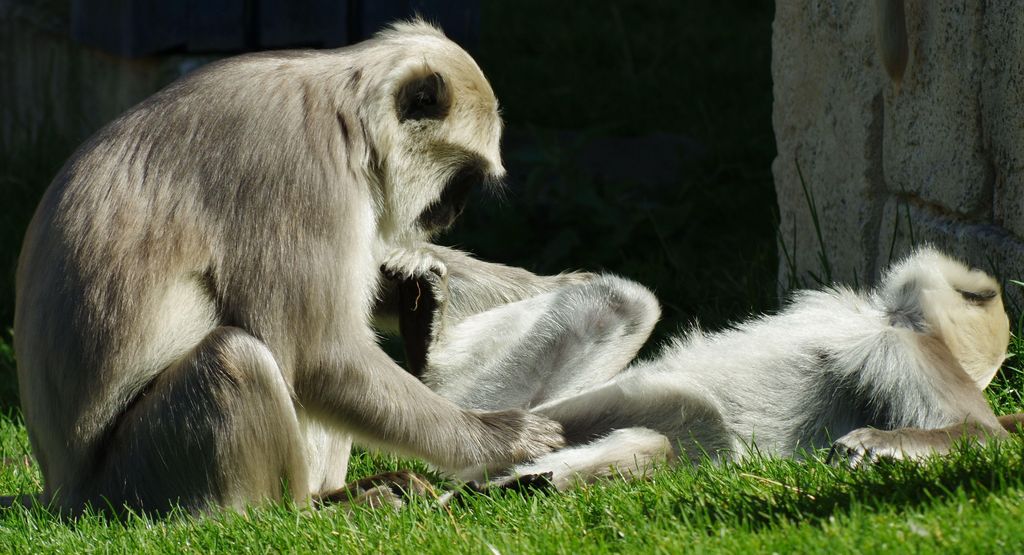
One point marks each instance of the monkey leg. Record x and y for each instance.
(691, 422)
(630, 453)
(549, 346)
(218, 428)
(361, 389)
(527, 339)
(626, 427)
(327, 454)
(524, 484)
(385, 489)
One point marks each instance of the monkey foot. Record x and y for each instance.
(387, 489)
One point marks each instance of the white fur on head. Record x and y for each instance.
(420, 155)
(934, 294)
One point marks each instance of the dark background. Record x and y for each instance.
(638, 142)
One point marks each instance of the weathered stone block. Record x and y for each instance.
(827, 120)
(932, 143)
(941, 152)
(1002, 96)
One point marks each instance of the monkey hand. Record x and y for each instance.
(869, 445)
(419, 264)
(413, 262)
(511, 437)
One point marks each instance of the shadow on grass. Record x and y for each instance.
(765, 493)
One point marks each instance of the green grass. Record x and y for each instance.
(959, 503)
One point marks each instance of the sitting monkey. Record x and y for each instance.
(893, 372)
(194, 293)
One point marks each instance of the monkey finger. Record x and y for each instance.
(380, 496)
(459, 493)
(413, 262)
(841, 454)
(531, 483)
(868, 457)
(850, 456)
(390, 273)
(834, 458)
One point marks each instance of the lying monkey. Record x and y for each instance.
(897, 371)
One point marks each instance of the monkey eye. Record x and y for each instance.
(424, 97)
(977, 297)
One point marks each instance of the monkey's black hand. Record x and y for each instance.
(414, 262)
(522, 482)
(422, 293)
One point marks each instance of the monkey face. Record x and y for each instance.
(438, 137)
(961, 306)
(975, 325)
(441, 213)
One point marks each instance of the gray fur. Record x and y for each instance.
(195, 289)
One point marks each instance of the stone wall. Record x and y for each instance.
(55, 92)
(934, 157)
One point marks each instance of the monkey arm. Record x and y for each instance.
(461, 284)
(929, 400)
(870, 444)
(363, 391)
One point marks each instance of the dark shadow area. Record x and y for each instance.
(638, 142)
(771, 494)
(903, 485)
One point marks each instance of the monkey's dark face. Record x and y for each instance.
(442, 213)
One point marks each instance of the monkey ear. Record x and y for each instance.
(904, 307)
(423, 97)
